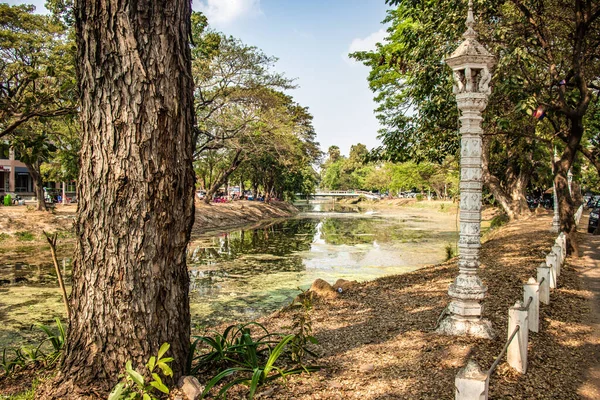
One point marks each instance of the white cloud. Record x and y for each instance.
(222, 12)
(368, 43)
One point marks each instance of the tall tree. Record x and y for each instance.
(37, 77)
(130, 280)
(547, 56)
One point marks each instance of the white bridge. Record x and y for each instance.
(343, 193)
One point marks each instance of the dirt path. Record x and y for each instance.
(589, 268)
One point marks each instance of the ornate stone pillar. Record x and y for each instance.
(471, 64)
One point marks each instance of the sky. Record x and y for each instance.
(312, 39)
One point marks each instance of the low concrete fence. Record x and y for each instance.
(471, 382)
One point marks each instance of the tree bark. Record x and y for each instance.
(38, 185)
(511, 195)
(135, 192)
(566, 204)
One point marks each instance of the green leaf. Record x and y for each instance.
(165, 368)
(146, 396)
(256, 380)
(151, 363)
(117, 392)
(160, 386)
(136, 376)
(163, 349)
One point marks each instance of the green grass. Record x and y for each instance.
(25, 236)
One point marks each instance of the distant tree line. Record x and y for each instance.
(356, 172)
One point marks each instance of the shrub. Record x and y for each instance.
(235, 353)
(498, 221)
(28, 355)
(7, 200)
(419, 197)
(135, 386)
(450, 251)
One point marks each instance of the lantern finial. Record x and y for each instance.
(470, 32)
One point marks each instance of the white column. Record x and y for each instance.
(543, 277)
(471, 65)
(552, 261)
(532, 290)
(516, 354)
(471, 383)
(556, 249)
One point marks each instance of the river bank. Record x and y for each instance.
(377, 339)
(21, 225)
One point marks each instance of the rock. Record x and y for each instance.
(335, 385)
(190, 387)
(367, 368)
(344, 285)
(323, 289)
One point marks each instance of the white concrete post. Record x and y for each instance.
(532, 290)
(516, 354)
(543, 272)
(562, 242)
(551, 261)
(471, 383)
(560, 259)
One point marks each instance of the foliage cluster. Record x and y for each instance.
(547, 59)
(247, 360)
(249, 131)
(356, 172)
(38, 355)
(136, 386)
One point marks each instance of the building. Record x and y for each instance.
(14, 175)
(16, 179)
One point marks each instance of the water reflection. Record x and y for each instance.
(245, 273)
(242, 274)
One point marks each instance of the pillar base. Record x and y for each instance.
(454, 325)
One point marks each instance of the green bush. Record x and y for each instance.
(419, 197)
(450, 251)
(36, 355)
(498, 221)
(235, 353)
(134, 386)
(7, 200)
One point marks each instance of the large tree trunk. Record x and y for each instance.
(566, 204)
(130, 280)
(511, 194)
(38, 185)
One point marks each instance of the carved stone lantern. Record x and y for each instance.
(471, 64)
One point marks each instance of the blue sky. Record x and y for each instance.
(311, 38)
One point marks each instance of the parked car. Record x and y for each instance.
(594, 217)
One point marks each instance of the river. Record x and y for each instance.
(242, 274)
